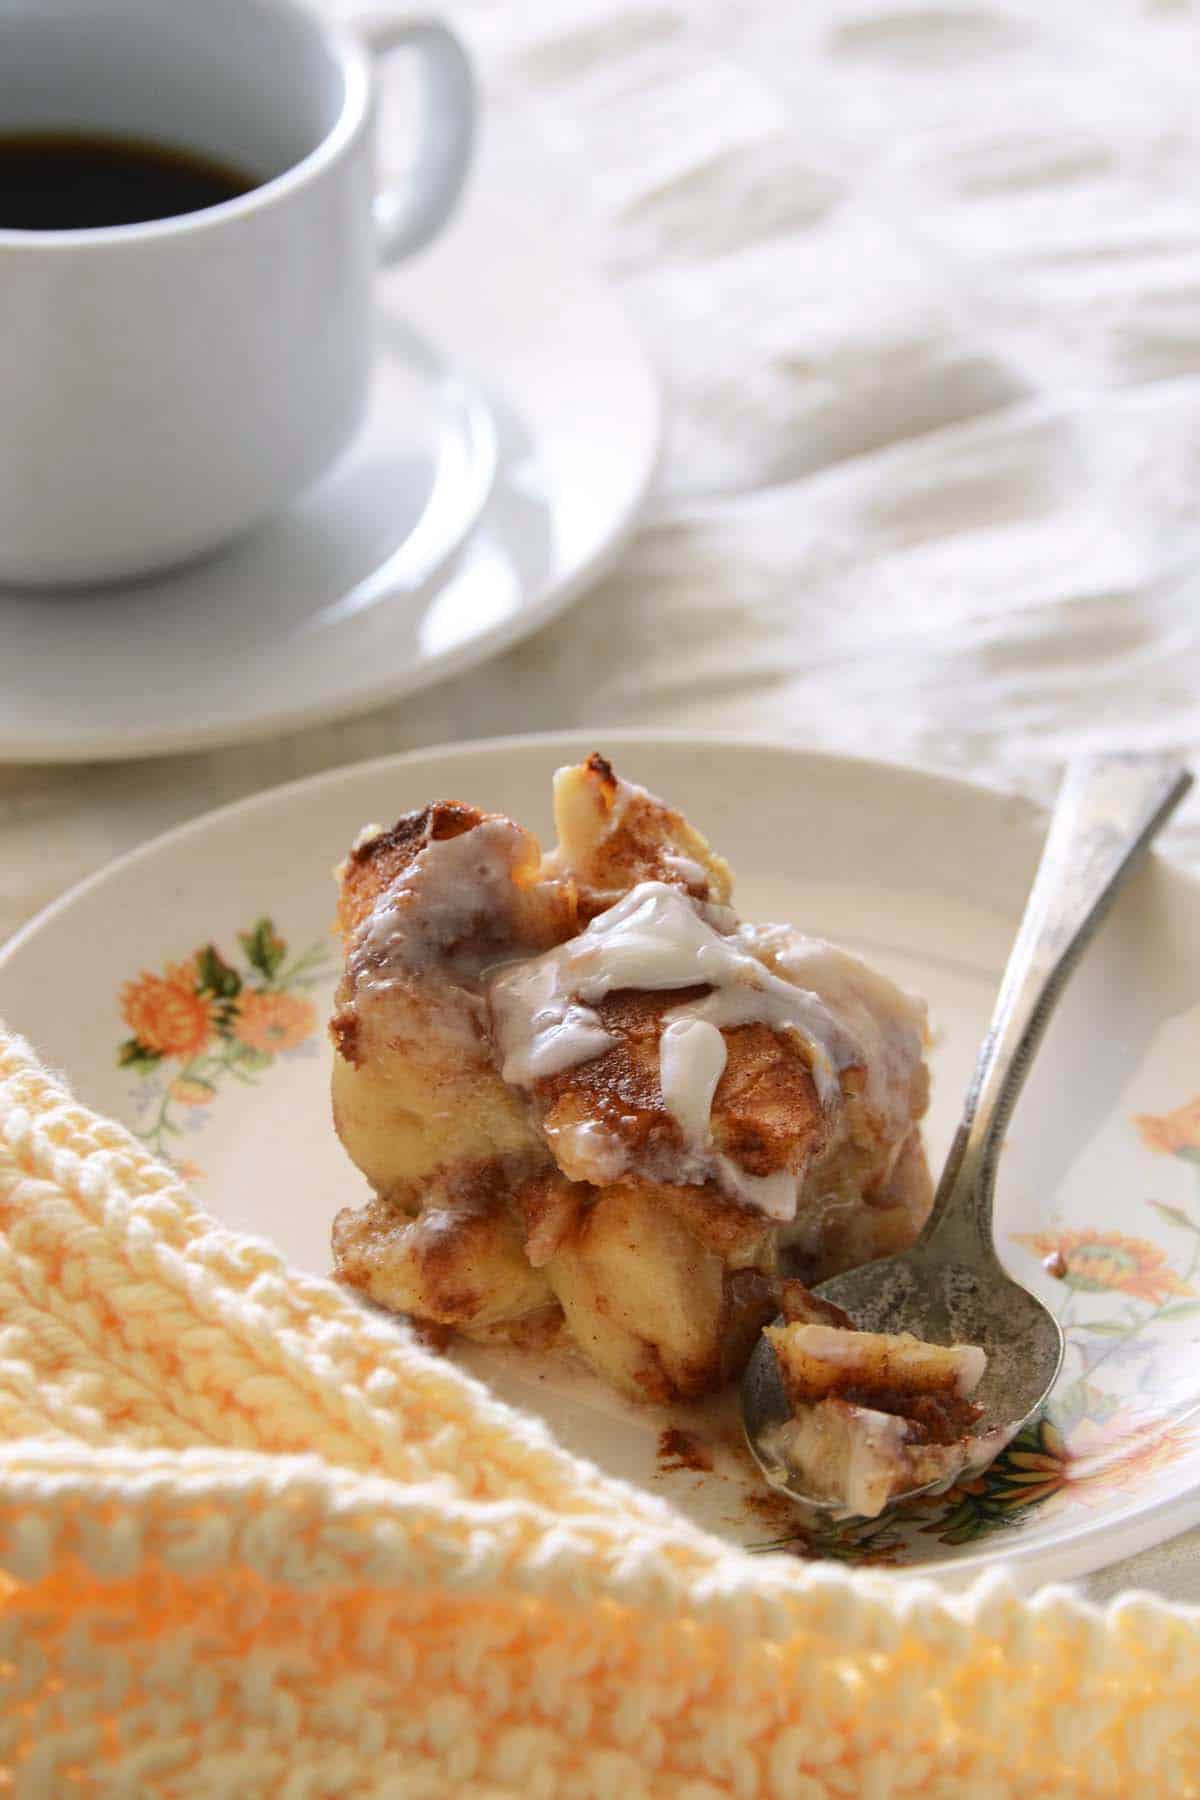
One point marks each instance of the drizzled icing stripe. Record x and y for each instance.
(653, 940)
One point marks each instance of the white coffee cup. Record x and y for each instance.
(165, 386)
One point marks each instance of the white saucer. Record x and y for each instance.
(467, 514)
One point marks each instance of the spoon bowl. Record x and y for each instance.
(944, 1302)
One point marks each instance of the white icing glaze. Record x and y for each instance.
(689, 871)
(972, 1361)
(653, 940)
(887, 1024)
(691, 1061)
(875, 1456)
(849, 1454)
(905, 1362)
(835, 1344)
(452, 912)
(588, 1151)
(445, 910)
(774, 1195)
(560, 1032)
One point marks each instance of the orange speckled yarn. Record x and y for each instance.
(254, 1543)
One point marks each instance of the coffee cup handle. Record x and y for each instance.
(409, 215)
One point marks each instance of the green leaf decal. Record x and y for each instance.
(1176, 1214)
(133, 1055)
(265, 949)
(1180, 1309)
(216, 976)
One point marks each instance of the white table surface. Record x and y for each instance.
(923, 283)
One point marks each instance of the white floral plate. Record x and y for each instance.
(184, 990)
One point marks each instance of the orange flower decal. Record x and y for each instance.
(271, 1022)
(1120, 1454)
(1108, 1262)
(1149, 1450)
(211, 1017)
(1169, 1133)
(166, 1014)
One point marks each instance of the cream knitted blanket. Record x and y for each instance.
(254, 1542)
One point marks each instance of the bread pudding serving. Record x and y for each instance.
(595, 1107)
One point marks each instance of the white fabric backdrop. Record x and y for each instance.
(923, 281)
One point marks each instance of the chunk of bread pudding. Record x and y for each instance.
(593, 1105)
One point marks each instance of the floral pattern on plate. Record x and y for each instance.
(207, 1020)
(1098, 1433)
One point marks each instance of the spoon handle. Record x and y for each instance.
(1109, 808)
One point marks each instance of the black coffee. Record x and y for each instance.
(67, 181)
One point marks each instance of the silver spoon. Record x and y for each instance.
(950, 1287)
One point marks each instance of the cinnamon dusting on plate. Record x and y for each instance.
(682, 1450)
